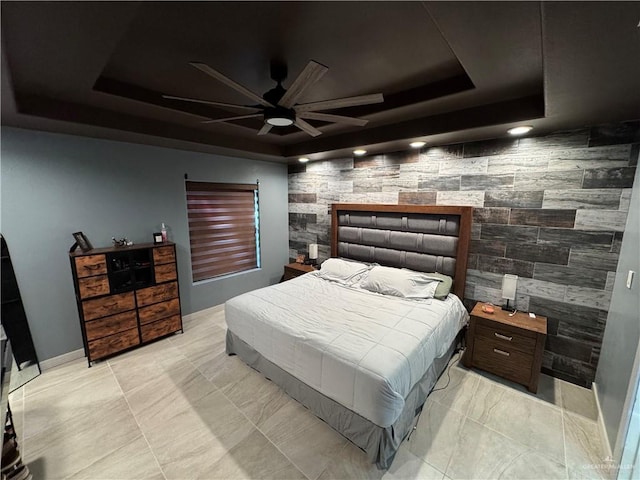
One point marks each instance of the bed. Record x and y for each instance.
(359, 356)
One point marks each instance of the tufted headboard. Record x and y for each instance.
(420, 237)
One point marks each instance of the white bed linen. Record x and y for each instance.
(362, 349)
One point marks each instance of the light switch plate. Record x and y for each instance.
(630, 276)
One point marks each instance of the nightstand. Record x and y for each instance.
(508, 346)
(294, 270)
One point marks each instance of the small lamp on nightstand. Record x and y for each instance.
(509, 285)
(313, 253)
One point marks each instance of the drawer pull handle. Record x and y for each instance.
(109, 305)
(501, 352)
(92, 267)
(503, 337)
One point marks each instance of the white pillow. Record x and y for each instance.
(342, 271)
(400, 282)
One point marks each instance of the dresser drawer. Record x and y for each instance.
(156, 294)
(166, 272)
(164, 255)
(506, 362)
(109, 325)
(89, 265)
(113, 343)
(101, 307)
(506, 337)
(160, 328)
(93, 286)
(160, 310)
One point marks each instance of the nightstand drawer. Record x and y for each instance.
(506, 362)
(294, 270)
(506, 337)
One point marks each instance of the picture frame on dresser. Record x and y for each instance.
(81, 241)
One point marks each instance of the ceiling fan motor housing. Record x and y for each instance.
(279, 116)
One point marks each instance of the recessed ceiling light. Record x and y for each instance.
(303, 159)
(520, 130)
(359, 152)
(417, 144)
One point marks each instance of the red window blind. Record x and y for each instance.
(222, 228)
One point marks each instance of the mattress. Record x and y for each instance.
(362, 349)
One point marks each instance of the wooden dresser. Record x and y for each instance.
(126, 296)
(508, 346)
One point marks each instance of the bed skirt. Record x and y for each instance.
(379, 443)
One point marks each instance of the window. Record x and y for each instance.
(223, 228)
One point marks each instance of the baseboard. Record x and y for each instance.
(601, 427)
(61, 359)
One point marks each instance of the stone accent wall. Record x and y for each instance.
(550, 209)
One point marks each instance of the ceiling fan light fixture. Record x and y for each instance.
(359, 152)
(417, 144)
(279, 117)
(521, 130)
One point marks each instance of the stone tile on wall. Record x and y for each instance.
(509, 233)
(463, 166)
(398, 184)
(568, 347)
(299, 221)
(505, 265)
(588, 297)
(579, 276)
(486, 279)
(541, 289)
(634, 155)
(473, 199)
(517, 164)
(486, 182)
(374, 197)
(488, 247)
(584, 158)
(302, 198)
(529, 199)
(561, 140)
(538, 253)
(548, 180)
(611, 220)
(595, 258)
(609, 177)
(486, 148)
(608, 199)
(491, 215)
(625, 199)
(445, 151)
(570, 237)
(611, 278)
(612, 134)
(542, 218)
(567, 313)
(417, 198)
(438, 183)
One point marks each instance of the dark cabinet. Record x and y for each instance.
(126, 296)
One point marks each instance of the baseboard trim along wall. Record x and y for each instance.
(50, 363)
(601, 427)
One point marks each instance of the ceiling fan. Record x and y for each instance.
(278, 106)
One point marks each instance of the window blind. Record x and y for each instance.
(223, 229)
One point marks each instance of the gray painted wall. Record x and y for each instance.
(622, 333)
(53, 185)
(550, 209)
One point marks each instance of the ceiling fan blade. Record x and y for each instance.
(209, 102)
(340, 103)
(327, 117)
(305, 127)
(203, 67)
(310, 75)
(265, 129)
(228, 119)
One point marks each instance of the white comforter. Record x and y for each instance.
(362, 349)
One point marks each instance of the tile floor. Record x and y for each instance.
(181, 408)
